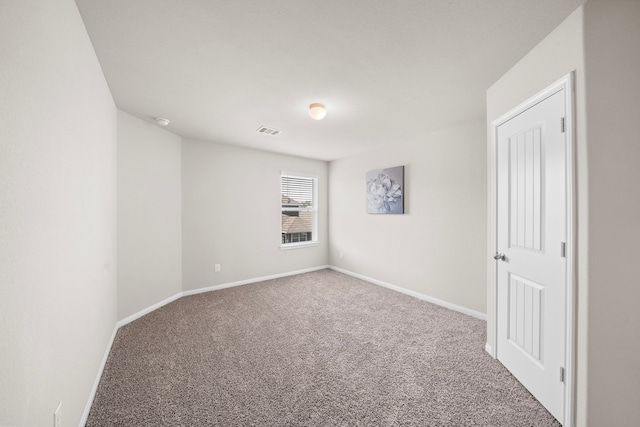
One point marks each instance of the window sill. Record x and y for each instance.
(287, 246)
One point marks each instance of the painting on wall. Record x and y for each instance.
(385, 191)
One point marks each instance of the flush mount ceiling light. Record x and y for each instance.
(317, 111)
(161, 121)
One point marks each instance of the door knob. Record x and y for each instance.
(500, 256)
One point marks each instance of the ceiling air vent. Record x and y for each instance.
(268, 131)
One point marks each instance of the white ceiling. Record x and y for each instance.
(388, 71)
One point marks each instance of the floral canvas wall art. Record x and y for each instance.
(385, 191)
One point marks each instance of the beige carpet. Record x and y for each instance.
(317, 349)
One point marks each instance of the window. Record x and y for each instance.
(299, 226)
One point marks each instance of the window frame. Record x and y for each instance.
(314, 209)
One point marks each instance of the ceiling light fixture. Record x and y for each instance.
(317, 111)
(161, 121)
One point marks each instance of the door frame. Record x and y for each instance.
(565, 83)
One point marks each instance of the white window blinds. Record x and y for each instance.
(299, 209)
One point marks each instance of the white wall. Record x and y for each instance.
(57, 213)
(149, 215)
(438, 247)
(231, 214)
(612, 57)
(601, 42)
(560, 53)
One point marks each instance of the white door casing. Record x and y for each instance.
(533, 303)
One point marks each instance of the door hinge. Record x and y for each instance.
(561, 374)
(563, 249)
(562, 124)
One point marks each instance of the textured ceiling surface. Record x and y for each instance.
(388, 71)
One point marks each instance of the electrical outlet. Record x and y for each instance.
(57, 416)
(217, 268)
(341, 255)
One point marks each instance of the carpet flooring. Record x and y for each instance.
(316, 349)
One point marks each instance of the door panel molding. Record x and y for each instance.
(566, 83)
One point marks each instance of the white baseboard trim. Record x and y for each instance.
(414, 294)
(489, 349)
(166, 301)
(96, 383)
(248, 281)
(148, 310)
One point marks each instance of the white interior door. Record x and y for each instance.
(531, 216)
